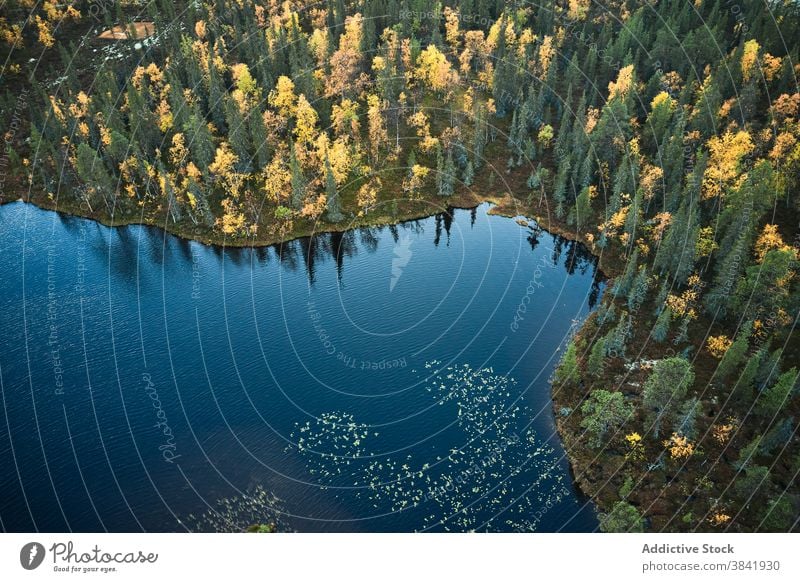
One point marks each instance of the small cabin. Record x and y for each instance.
(132, 31)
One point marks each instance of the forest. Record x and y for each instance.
(665, 135)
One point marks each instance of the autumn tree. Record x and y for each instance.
(346, 61)
(367, 195)
(724, 163)
(434, 70)
(378, 134)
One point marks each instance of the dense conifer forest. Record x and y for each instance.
(663, 134)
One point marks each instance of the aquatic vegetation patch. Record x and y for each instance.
(493, 472)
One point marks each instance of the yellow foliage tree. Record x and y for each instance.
(769, 239)
(341, 157)
(705, 244)
(282, 97)
(378, 134)
(623, 84)
(305, 128)
(278, 179)
(178, 152)
(367, 195)
(635, 447)
(726, 153)
(246, 93)
(224, 169)
(224, 160)
(415, 179)
(718, 344)
(314, 208)
(344, 63)
(679, 447)
(344, 119)
(452, 34)
(232, 222)
(434, 70)
(546, 53)
(578, 9)
(749, 59)
(45, 32)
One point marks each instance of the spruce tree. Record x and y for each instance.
(469, 174)
(686, 420)
(639, 288)
(567, 371)
(597, 359)
(297, 179)
(665, 389)
(777, 397)
(734, 355)
(333, 206)
(661, 328)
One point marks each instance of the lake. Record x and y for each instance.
(381, 379)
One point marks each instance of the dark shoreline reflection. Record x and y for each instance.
(336, 245)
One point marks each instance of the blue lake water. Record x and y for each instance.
(384, 379)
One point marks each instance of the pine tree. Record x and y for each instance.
(734, 354)
(779, 515)
(446, 170)
(333, 207)
(623, 518)
(560, 188)
(603, 412)
(92, 171)
(742, 392)
(583, 208)
(200, 142)
(748, 453)
(777, 437)
(597, 359)
(766, 287)
(665, 389)
(297, 179)
(639, 288)
(661, 328)
(480, 137)
(237, 135)
(776, 398)
(750, 481)
(661, 298)
(623, 285)
(567, 371)
(469, 174)
(769, 369)
(676, 253)
(258, 137)
(616, 339)
(686, 420)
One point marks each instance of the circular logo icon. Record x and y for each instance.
(31, 555)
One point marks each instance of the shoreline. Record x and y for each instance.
(507, 206)
(201, 234)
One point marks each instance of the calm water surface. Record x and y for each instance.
(384, 379)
